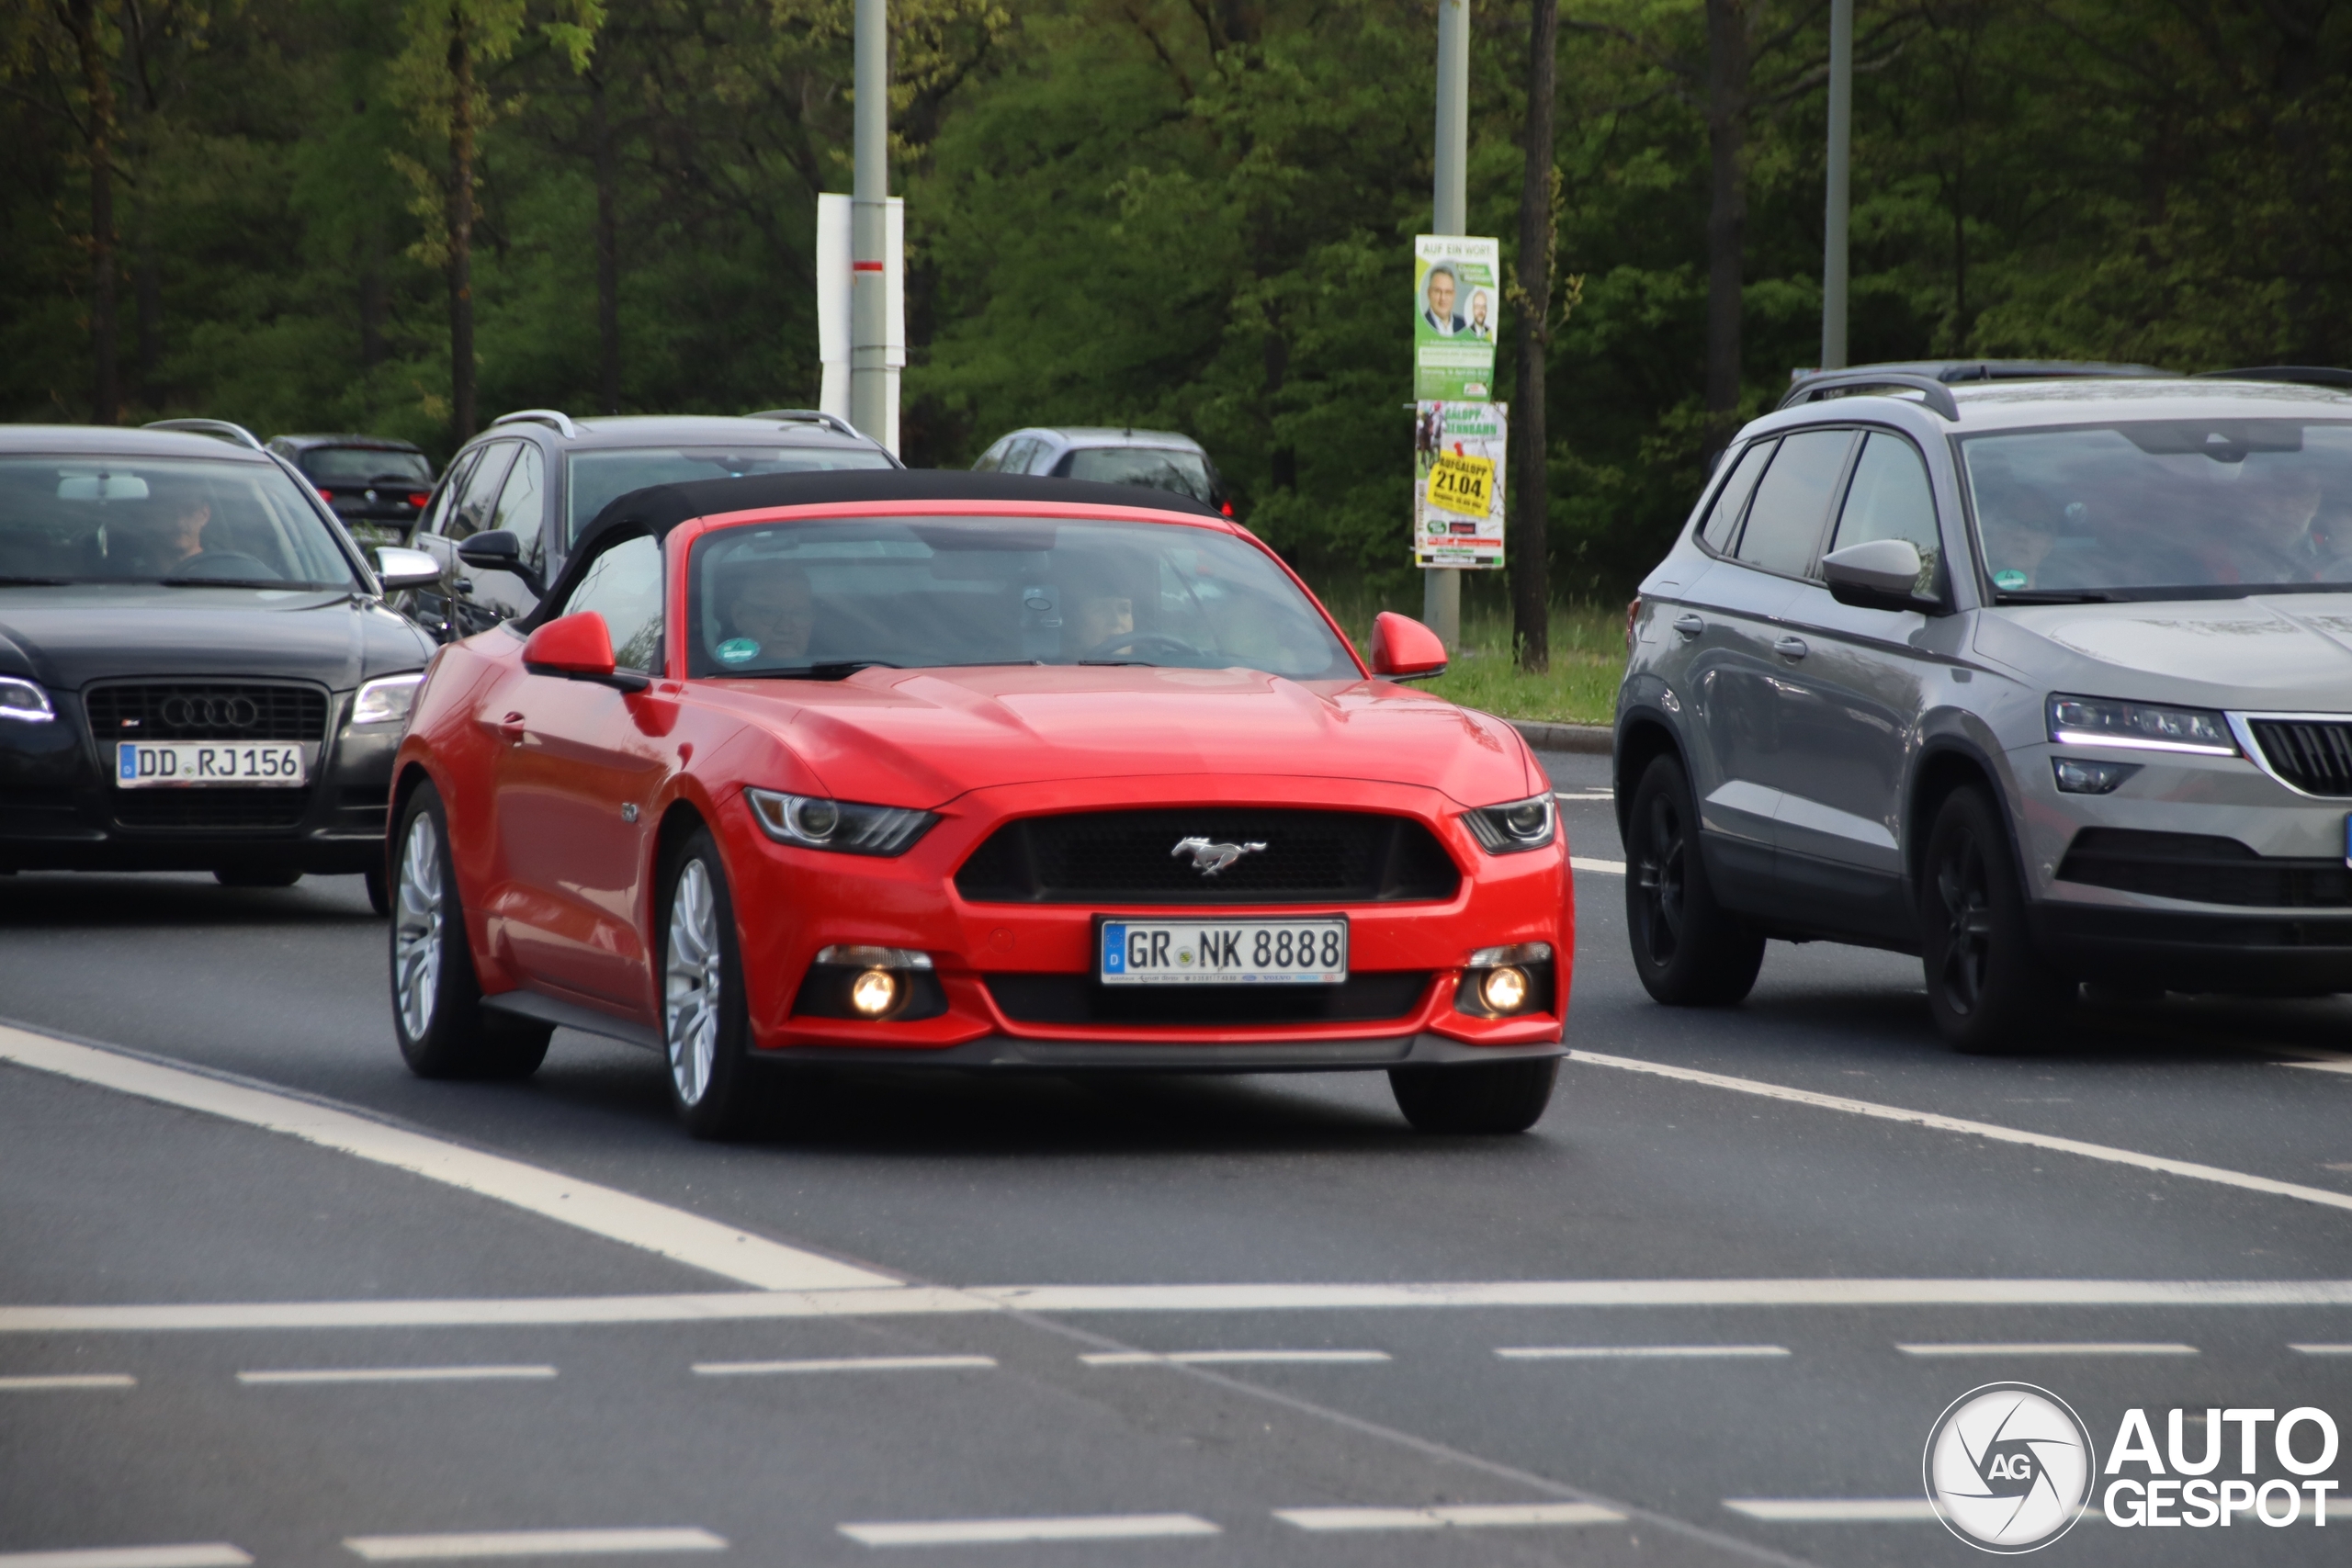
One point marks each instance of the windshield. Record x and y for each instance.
(2152, 508)
(599, 478)
(161, 520)
(331, 466)
(1155, 468)
(824, 598)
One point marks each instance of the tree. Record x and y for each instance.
(1539, 242)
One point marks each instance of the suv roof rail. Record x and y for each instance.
(554, 418)
(219, 429)
(1932, 392)
(2296, 375)
(809, 416)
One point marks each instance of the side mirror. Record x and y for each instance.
(1404, 649)
(499, 550)
(1878, 574)
(398, 567)
(578, 648)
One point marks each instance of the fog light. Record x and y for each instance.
(1505, 990)
(2077, 776)
(875, 992)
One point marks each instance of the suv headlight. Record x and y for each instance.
(24, 702)
(2145, 727)
(811, 822)
(1517, 826)
(388, 701)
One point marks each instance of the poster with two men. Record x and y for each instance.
(1458, 429)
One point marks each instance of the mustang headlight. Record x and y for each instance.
(24, 702)
(2144, 727)
(386, 700)
(811, 822)
(1511, 829)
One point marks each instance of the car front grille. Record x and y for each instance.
(211, 808)
(2313, 754)
(206, 710)
(1079, 1000)
(2203, 870)
(1129, 857)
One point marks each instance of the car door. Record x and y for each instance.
(1851, 702)
(464, 514)
(1737, 667)
(578, 769)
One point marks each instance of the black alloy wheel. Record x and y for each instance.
(1989, 991)
(1485, 1097)
(1689, 950)
(443, 1030)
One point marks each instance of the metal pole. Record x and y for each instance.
(869, 196)
(1441, 586)
(1841, 148)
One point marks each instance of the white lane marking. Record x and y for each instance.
(214, 1554)
(980, 1532)
(529, 1543)
(2112, 1155)
(1606, 867)
(1229, 1357)
(391, 1374)
(841, 1364)
(618, 1216)
(2053, 1347)
(2323, 1349)
(748, 1306)
(1610, 1352)
(1833, 1510)
(66, 1379)
(1460, 1516)
(2339, 1067)
(1582, 794)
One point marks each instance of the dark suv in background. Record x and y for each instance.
(377, 486)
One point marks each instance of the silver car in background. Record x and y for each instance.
(2046, 679)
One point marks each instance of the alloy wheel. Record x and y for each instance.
(1658, 873)
(418, 916)
(691, 984)
(1966, 899)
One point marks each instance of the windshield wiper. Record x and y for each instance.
(247, 583)
(34, 581)
(1117, 663)
(2052, 596)
(835, 670)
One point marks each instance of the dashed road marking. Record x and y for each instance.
(1833, 1510)
(990, 1532)
(1229, 1357)
(391, 1374)
(529, 1543)
(2323, 1349)
(63, 1381)
(1605, 867)
(1582, 794)
(2054, 1347)
(215, 1554)
(1474, 1516)
(1633, 1352)
(841, 1364)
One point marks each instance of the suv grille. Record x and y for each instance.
(1077, 999)
(211, 710)
(2203, 870)
(1115, 857)
(2315, 755)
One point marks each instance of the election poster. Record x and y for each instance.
(1458, 483)
(1457, 310)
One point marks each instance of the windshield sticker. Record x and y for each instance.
(2009, 579)
(739, 649)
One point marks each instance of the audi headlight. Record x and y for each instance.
(2144, 726)
(812, 822)
(24, 702)
(1519, 826)
(388, 701)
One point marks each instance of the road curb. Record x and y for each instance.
(1594, 740)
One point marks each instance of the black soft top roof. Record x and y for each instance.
(657, 509)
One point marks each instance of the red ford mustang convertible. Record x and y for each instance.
(967, 771)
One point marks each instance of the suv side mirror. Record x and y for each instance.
(1404, 649)
(1878, 574)
(578, 648)
(499, 550)
(398, 567)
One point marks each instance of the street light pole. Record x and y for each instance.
(1841, 148)
(869, 385)
(1441, 586)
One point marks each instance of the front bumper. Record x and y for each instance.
(1004, 1053)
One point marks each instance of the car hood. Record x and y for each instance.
(924, 737)
(66, 638)
(2290, 651)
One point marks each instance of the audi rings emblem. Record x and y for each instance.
(182, 711)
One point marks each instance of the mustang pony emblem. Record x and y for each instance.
(1208, 858)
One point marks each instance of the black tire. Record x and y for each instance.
(706, 1025)
(1490, 1097)
(379, 893)
(443, 1030)
(257, 874)
(1990, 991)
(1689, 950)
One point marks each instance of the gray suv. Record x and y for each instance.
(2046, 678)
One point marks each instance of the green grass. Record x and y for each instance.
(1587, 657)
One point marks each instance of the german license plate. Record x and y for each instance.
(164, 764)
(1224, 953)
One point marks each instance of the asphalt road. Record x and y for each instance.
(1043, 1369)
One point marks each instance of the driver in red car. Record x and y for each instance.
(767, 613)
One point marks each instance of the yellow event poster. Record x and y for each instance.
(1458, 483)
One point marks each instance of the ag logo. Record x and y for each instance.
(2008, 1467)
